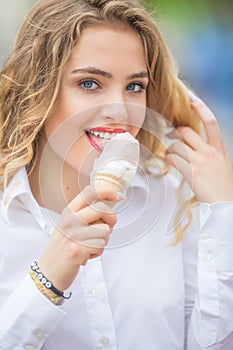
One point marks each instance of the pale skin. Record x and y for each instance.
(211, 174)
(114, 81)
(205, 165)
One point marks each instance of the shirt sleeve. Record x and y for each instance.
(27, 318)
(211, 324)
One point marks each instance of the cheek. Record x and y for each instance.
(50, 125)
(76, 152)
(64, 130)
(134, 131)
(81, 156)
(69, 142)
(55, 120)
(136, 117)
(65, 107)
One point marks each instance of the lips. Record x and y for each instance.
(97, 136)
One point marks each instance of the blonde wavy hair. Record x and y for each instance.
(31, 76)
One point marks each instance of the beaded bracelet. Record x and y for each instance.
(54, 299)
(46, 283)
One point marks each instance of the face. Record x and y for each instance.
(103, 93)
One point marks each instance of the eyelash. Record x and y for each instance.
(80, 84)
(140, 85)
(91, 90)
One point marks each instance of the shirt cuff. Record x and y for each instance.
(28, 317)
(216, 237)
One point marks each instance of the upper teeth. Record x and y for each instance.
(104, 135)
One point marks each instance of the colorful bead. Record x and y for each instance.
(46, 283)
(57, 300)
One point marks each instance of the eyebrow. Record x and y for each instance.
(96, 71)
(143, 74)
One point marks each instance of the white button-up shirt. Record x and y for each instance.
(143, 293)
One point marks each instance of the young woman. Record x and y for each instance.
(80, 72)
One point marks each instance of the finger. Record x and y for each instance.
(95, 231)
(93, 250)
(191, 138)
(72, 225)
(97, 212)
(94, 254)
(93, 244)
(182, 150)
(90, 194)
(184, 167)
(212, 130)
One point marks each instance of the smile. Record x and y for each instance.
(97, 136)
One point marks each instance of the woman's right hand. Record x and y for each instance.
(81, 233)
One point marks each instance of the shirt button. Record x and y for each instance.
(96, 292)
(205, 237)
(206, 257)
(38, 334)
(105, 341)
(29, 347)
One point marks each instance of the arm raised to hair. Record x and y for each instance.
(208, 169)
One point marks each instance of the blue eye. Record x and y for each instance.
(135, 87)
(89, 85)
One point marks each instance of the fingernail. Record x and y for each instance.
(192, 96)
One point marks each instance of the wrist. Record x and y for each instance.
(51, 296)
(46, 287)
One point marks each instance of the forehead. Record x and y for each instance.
(108, 45)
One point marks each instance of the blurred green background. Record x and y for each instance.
(200, 35)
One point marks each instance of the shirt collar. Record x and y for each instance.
(19, 188)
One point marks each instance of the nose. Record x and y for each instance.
(115, 112)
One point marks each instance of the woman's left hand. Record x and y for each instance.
(205, 165)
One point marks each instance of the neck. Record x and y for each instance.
(54, 183)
